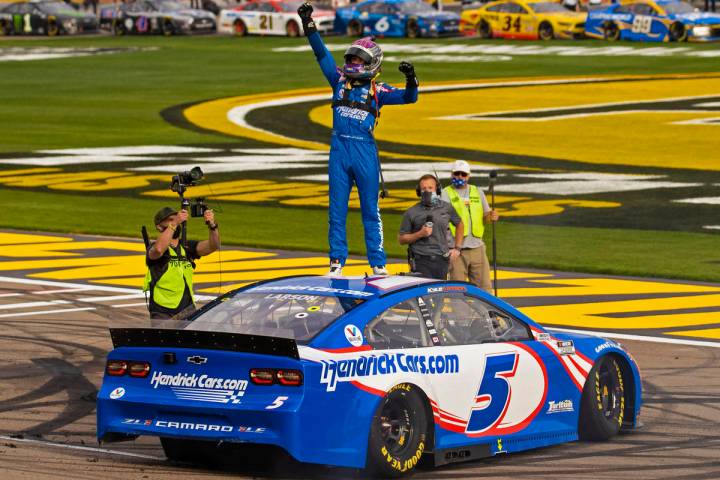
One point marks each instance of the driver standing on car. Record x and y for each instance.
(169, 277)
(357, 99)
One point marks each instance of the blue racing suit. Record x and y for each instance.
(353, 153)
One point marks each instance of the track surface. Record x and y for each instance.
(53, 342)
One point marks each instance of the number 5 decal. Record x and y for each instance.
(493, 397)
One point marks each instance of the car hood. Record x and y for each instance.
(194, 13)
(703, 18)
(568, 16)
(437, 16)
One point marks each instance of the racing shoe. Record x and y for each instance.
(380, 270)
(335, 268)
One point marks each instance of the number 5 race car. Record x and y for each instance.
(364, 372)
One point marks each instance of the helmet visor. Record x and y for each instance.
(360, 52)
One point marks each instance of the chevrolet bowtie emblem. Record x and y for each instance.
(197, 359)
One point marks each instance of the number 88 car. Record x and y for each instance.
(372, 372)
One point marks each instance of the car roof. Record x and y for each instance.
(353, 287)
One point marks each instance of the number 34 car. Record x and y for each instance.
(271, 17)
(369, 373)
(523, 19)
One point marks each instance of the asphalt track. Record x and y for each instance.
(53, 342)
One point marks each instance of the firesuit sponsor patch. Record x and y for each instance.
(334, 371)
(354, 113)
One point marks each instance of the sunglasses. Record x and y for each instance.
(460, 174)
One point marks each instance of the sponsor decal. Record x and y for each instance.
(334, 371)
(117, 393)
(308, 288)
(201, 388)
(542, 337)
(278, 402)
(560, 406)
(136, 421)
(294, 296)
(353, 335)
(449, 288)
(206, 427)
(197, 359)
(566, 347)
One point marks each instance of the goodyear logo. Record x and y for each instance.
(334, 371)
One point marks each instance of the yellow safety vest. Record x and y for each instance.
(475, 211)
(167, 291)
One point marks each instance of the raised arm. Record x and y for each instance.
(322, 54)
(388, 95)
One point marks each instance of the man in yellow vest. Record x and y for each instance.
(170, 266)
(472, 206)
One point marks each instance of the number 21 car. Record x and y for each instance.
(369, 373)
(271, 17)
(523, 19)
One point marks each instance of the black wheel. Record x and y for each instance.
(412, 29)
(398, 433)
(190, 451)
(545, 31)
(239, 28)
(118, 27)
(354, 28)
(678, 32)
(603, 401)
(292, 29)
(611, 31)
(53, 30)
(168, 27)
(484, 30)
(4, 28)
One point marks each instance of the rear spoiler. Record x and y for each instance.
(235, 342)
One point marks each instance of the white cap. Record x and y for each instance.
(460, 166)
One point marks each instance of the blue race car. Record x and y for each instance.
(653, 21)
(363, 372)
(395, 18)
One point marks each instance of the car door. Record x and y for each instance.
(494, 15)
(646, 23)
(250, 15)
(503, 389)
(379, 19)
(265, 18)
(511, 21)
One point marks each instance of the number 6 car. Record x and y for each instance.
(271, 17)
(373, 373)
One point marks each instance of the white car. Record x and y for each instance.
(271, 17)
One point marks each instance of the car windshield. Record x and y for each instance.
(290, 6)
(299, 316)
(167, 6)
(678, 7)
(416, 7)
(57, 8)
(547, 7)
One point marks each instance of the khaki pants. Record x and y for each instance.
(472, 265)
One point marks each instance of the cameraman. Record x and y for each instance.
(170, 266)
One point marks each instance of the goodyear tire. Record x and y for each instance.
(398, 433)
(354, 28)
(168, 28)
(4, 28)
(53, 30)
(118, 27)
(239, 28)
(412, 30)
(678, 32)
(292, 29)
(484, 30)
(611, 32)
(603, 401)
(545, 31)
(190, 451)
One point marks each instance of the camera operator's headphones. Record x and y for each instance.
(438, 188)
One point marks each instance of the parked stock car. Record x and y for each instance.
(44, 18)
(395, 18)
(363, 372)
(653, 21)
(523, 19)
(271, 17)
(166, 17)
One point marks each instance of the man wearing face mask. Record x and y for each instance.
(470, 203)
(424, 228)
(170, 266)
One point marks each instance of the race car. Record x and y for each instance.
(271, 17)
(371, 372)
(395, 18)
(45, 17)
(166, 17)
(523, 19)
(653, 21)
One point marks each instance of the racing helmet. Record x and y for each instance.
(370, 53)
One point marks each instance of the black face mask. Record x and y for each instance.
(426, 198)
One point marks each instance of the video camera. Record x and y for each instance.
(182, 180)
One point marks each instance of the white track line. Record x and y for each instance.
(78, 447)
(128, 305)
(5, 295)
(63, 290)
(12, 306)
(641, 338)
(112, 297)
(45, 312)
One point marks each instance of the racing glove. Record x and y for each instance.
(407, 69)
(305, 11)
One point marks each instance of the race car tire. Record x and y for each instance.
(545, 31)
(412, 29)
(603, 401)
(239, 28)
(484, 30)
(53, 30)
(398, 432)
(292, 29)
(678, 32)
(611, 31)
(191, 451)
(4, 28)
(354, 28)
(118, 27)
(168, 28)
